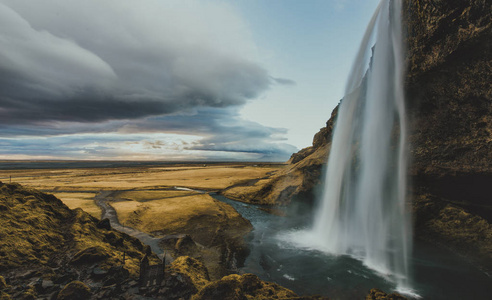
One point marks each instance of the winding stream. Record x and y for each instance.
(109, 212)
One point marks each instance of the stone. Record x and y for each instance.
(90, 255)
(377, 294)
(46, 284)
(98, 273)
(104, 224)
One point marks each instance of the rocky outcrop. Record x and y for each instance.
(299, 179)
(449, 107)
(247, 286)
(377, 294)
(449, 100)
(44, 246)
(75, 290)
(39, 230)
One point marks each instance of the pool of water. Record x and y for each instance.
(437, 273)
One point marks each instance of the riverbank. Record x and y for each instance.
(166, 206)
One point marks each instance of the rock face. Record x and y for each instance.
(449, 107)
(299, 179)
(449, 100)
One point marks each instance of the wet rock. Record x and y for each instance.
(75, 290)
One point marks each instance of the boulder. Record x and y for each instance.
(247, 286)
(75, 290)
(104, 224)
(377, 294)
(90, 255)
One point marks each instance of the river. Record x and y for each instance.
(437, 273)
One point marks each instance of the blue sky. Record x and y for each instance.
(172, 80)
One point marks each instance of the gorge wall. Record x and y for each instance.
(449, 102)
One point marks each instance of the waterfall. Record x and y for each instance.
(363, 211)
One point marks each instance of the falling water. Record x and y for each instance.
(363, 210)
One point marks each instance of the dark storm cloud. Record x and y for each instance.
(95, 61)
(93, 77)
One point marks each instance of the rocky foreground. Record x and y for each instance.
(48, 251)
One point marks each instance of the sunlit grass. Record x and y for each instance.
(85, 201)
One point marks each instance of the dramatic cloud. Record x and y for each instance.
(107, 79)
(207, 133)
(92, 61)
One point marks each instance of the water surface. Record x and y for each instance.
(437, 273)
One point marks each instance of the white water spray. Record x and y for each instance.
(363, 210)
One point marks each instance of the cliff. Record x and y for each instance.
(449, 106)
(449, 100)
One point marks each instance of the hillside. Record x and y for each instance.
(48, 251)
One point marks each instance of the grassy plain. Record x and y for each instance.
(145, 194)
(80, 200)
(168, 200)
(208, 177)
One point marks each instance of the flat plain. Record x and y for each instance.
(149, 198)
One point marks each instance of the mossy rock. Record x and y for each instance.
(90, 255)
(377, 294)
(247, 286)
(193, 269)
(75, 290)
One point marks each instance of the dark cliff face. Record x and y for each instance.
(449, 102)
(449, 107)
(449, 91)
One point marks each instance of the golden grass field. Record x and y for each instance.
(145, 197)
(209, 177)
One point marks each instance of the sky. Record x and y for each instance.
(172, 80)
